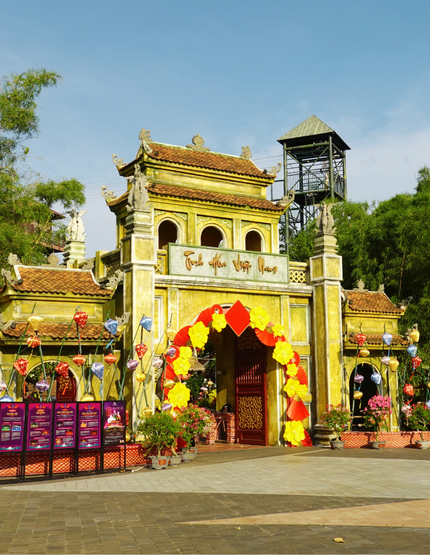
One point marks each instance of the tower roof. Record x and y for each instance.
(312, 127)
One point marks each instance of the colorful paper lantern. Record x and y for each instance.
(385, 360)
(408, 389)
(146, 323)
(412, 350)
(42, 386)
(80, 318)
(79, 360)
(414, 335)
(34, 321)
(416, 361)
(110, 358)
(3, 385)
(33, 341)
(146, 412)
(387, 338)
(364, 353)
(376, 378)
(62, 368)
(394, 364)
(172, 354)
(358, 395)
(132, 364)
(168, 384)
(98, 369)
(140, 377)
(6, 399)
(21, 366)
(127, 437)
(166, 407)
(141, 350)
(358, 378)
(157, 362)
(428, 404)
(111, 326)
(360, 338)
(87, 398)
(171, 333)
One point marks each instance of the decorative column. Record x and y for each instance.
(326, 275)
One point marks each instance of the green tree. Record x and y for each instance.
(26, 220)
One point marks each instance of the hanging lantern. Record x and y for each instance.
(364, 353)
(80, 318)
(98, 369)
(132, 364)
(62, 368)
(146, 323)
(141, 350)
(416, 361)
(111, 326)
(87, 398)
(6, 399)
(428, 404)
(171, 333)
(146, 412)
(3, 385)
(376, 378)
(110, 358)
(168, 384)
(79, 360)
(412, 350)
(157, 362)
(394, 364)
(127, 437)
(210, 383)
(358, 378)
(387, 338)
(385, 360)
(408, 389)
(172, 354)
(42, 386)
(21, 366)
(414, 335)
(140, 377)
(33, 342)
(34, 321)
(166, 407)
(358, 395)
(360, 338)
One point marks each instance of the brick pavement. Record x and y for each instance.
(184, 510)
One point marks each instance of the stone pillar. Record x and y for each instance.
(74, 253)
(325, 276)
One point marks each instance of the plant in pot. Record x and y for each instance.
(338, 418)
(376, 417)
(195, 421)
(161, 431)
(419, 419)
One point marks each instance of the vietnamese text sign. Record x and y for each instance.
(65, 426)
(114, 423)
(39, 426)
(89, 425)
(211, 262)
(12, 426)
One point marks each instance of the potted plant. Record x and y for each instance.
(161, 431)
(338, 418)
(376, 416)
(418, 419)
(195, 421)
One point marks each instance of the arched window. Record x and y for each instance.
(167, 233)
(211, 237)
(253, 241)
(367, 387)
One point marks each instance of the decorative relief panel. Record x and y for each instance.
(222, 221)
(250, 413)
(264, 226)
(180, 215)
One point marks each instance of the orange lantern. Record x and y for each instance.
(110, 358)
(79, 360)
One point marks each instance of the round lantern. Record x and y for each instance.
(79, 360)
(80, 318)
(42, 386)
(360, 338)
(34, 321)
(6, 399)
(358, 378)
(87, 398)
(364, 353)
(21, 366)
(132, 364)
(171, 333)
(428, 404)
(166, 407)
(98, 369)
(140, 377)
(414, 335)
(376, 378)
(358, 395)
(172, 354)
(3, 385)
(62, 368)
(127, 437)
(141, 350)
(111, 326)
(146, 323)
(204, 389)
(412, 350)
(33, 342)
(387, 338)
(385, 360)
(110, 358)
(168, 384)
(210, 383)
(408, 389)
(416, 361)
(157, 362)
(394, 364)
(146, 412)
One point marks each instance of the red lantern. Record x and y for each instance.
(110, 358)
(79, 360)
(141, 350)
(408, 389)
(62, 368)
(80, 318)
(361, 339)
(416, 361)
(21, 365)
(33, 342)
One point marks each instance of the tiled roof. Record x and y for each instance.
(205, 196)
(50, 280)
(58, 331)
(368, 301)
(376, 339)
(210, 160)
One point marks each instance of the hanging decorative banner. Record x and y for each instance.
(98, 369)
(146, 323)
(12, 426)
(79, 360)
(65, 426)
(89, 422)
(412, 350)
(111, 326)
(39, 426)
(21, 365)
(387, 338)
(62, 368)
(141, 350)
(80, 318)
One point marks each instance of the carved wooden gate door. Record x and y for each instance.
(251, 409)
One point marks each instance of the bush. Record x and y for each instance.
(161, 431)
(419, 418)
(337, 417)
(195, 421)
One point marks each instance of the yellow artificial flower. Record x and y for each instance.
(199, 335)
(294, 387)
(294, 432)
(185, 352)
(283, 352)
(278, 330)
(179, 395)
(292, 369)
(259, 318)
(218, 321)
(181, 366)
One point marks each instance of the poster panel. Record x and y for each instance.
(65, 426)
(12, 418)
(113, 423)
(39, 426)
(89, 423)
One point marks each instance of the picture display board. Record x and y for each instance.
(65, 425)
(114, 423)
(39, 426)
(12, 420)
(89, 425)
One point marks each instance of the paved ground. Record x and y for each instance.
(266, 500)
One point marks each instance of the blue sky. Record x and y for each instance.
(239, 72)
